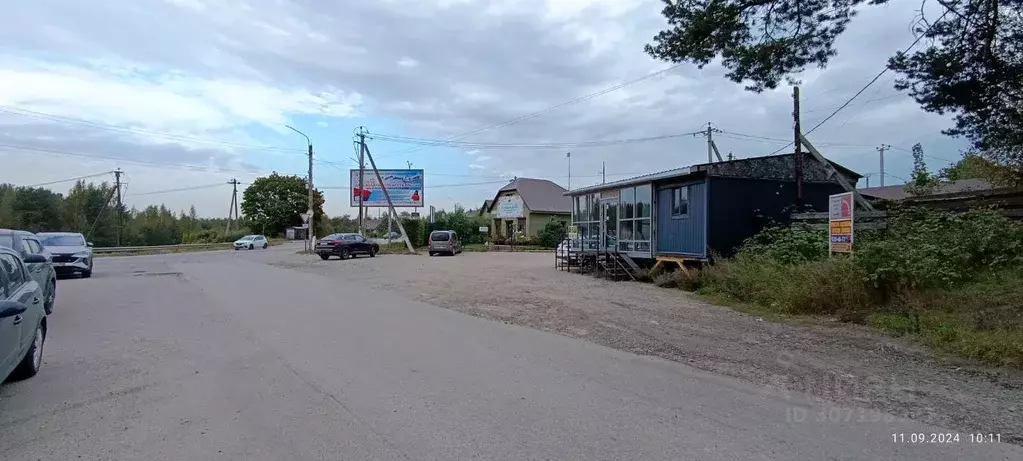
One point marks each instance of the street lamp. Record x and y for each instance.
(309, 230)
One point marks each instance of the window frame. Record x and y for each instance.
(677, 199)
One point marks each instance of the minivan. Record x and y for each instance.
(444, 241)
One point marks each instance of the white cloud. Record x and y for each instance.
(135, 95)
(408, 62)
(322, 124)
(476, 166)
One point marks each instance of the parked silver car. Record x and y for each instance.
(444, 241)
(250, 242)
(26, 244)
(71, 253)
(22, 317)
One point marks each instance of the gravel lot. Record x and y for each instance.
(844, 364)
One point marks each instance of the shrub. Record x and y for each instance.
(789, 245)
(666, 280)
(936, 249)
(415, 230)
(211, 236)
(552, 234)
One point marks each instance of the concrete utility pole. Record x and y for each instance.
(568, 155)
(232, 212)
(881, 150)
(603, 173)
(362, 170)
(414, 209)
(383, 188)
(798, 143)
(712, 147)
(120, 209)
(311, 222)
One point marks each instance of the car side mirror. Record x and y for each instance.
(34, 259)
(88, 244)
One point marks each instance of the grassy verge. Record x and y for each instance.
(981, 319)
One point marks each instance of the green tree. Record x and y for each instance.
(274, 203)
(922, 182)
(344, 224)
(968, 66)
(973, 166)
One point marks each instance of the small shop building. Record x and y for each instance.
(526, 205)
(697, 211)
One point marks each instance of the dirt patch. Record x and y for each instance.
(846, 365)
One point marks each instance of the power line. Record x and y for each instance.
(564, 145)
(181, 189)
(71, 179)
(140, 162)
(130, 130)
(550, 109)
(871, 82)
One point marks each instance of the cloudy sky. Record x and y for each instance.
(191, 93)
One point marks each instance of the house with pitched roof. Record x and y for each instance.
(526, 205)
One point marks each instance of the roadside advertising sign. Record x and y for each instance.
(840, 222)
(404, 186)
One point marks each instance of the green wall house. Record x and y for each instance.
(526, 205)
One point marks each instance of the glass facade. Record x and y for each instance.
(622, 222)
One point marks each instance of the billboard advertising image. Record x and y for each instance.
(404, 186)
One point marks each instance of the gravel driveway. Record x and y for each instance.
(850, 366)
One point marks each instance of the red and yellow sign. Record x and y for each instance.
(840, 223)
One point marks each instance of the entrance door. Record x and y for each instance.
(609, 224)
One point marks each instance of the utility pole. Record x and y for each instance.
(120, 209)
(414, 209)
(362, 169)
(798, 143)
(603, 173)
(730, 156)
(311, 222)
(881, 150)
(712, 147)
(232, 212)
(568, 155)
(383, 188)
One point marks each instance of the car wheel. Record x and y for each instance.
(432, 253)
(344, 253)
(265, 245)
(87, 273)
(51, 297)
(324, 256)
(251, 247)
(33, 360)
(372, 252)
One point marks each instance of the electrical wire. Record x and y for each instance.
(871, 82)
(140, 162)
(180, 189)
(71, 179)
(549, 109)
(564, 145)
(151, 133)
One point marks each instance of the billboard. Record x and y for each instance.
(404, 186)
(510, 206)
(840, 223)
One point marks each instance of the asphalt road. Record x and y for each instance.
(211, 356)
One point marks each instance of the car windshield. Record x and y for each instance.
(248, 237)
(332, 237)
(440, 237)
(6, 241)
(61, 240)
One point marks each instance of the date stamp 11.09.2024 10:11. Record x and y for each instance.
(944, 437)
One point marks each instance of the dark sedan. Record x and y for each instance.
(345, 245)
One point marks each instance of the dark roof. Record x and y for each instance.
(898, 191)
(485, 208)
(539, 195)
(774, 167)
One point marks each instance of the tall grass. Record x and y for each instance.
(953, 281)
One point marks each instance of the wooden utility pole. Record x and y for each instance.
(798, 143)
(232, 212)
(120, 209)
